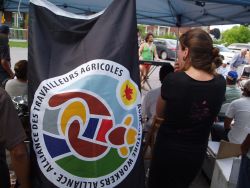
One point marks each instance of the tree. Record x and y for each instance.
(238, 34)
(141, 30)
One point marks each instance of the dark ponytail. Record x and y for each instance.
(202, 54)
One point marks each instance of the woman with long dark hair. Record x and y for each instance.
(147, 52)
(189, 103)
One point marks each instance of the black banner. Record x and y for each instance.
(84, 97)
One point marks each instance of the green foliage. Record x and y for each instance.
(18, 44)
(217, 42)
(237, 34)
(142, 29)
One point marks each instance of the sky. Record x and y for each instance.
(222, 27)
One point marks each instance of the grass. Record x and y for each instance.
(18, 44)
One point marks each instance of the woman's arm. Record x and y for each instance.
(160, 106)
(7, 68)
(227, 122)
(21, 164)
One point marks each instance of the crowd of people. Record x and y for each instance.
(190, 100)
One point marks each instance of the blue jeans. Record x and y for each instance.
(244, 175)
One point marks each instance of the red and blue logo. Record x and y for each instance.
(88, 129)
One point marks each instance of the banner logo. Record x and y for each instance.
(86, 126)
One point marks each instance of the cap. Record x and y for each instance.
(232, 75)
(4, 29)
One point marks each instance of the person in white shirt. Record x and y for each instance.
(223, 69)
(19, 85)
(150, 100)
(239, 111)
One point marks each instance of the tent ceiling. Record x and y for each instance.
(161, 12)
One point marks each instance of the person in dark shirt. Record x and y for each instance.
(190, 101)
(12, 138)
(5, 67)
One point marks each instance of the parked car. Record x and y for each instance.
(236, 47)
(166, 48)
(226, 52)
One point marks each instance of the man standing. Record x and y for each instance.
(238, 60)
(12, 138)
(5, 69)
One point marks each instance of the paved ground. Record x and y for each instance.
(22, 53)
(18, 54)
